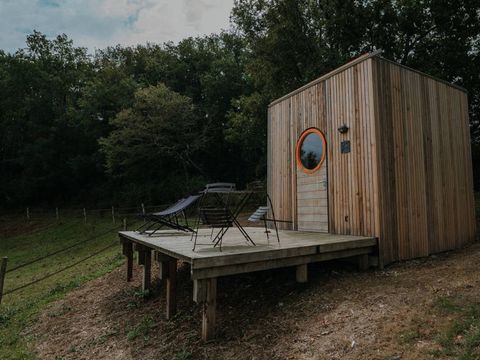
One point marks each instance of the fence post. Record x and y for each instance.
(143, 213)
(28, 214)
(3, 271)
(125, 224)
(85, 216)
(56, 213)
(113, 215)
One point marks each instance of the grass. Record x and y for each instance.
(143, 329)
(409, 336)
(45, 236)
(461, 337)
(183, 355)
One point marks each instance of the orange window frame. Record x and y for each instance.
(299, 145)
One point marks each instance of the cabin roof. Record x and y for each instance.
(353, 62)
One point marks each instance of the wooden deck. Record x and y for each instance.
(296, 248)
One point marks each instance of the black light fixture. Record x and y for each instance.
(343, 129)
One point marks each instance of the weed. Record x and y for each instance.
(446, 305)
(183, 355)
(409, 336)
(435, 354)
(461, 339)
(138, 297)
(142, 294)
(133, 305)
(6, 314)
(60, 289)
(142, 329)
(103, 338)
(59, 312)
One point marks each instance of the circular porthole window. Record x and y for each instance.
(311, 148)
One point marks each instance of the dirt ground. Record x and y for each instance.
(340, 314)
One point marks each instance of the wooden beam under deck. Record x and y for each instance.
(208, 263)
(206, 273)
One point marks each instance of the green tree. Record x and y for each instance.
(211, 71)
(291, 42)
(247, 129)
(39, 91)
(150, 147)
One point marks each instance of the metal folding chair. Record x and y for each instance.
(220, 215)
(261, 215)
(216, 217)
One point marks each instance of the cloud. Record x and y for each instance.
(100, 23)
(174, 20)
(49, 3)
(195, 10)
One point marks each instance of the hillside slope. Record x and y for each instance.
(420, 309)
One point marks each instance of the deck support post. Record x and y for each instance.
(163, 261)
(209, 309)
(140, 258)
(127, 251)
(362, 261)
(302, 273)
(163, 272)
(147, 269)
(171, 285)
(199, 291)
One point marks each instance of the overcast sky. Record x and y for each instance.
(100, 23)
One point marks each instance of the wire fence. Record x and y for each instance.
(60, 270)
(62, 250)
(45, 229)
(83, 215)
(30, 214)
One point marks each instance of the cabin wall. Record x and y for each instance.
(343, 98)
(425, 168)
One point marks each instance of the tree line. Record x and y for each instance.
(153, 122)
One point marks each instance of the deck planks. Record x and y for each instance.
(235, 251)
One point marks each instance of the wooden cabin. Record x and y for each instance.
(374, 148)
(372, 158)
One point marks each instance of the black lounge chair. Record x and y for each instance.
(169, 217)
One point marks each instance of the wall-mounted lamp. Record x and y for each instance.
(343, 129)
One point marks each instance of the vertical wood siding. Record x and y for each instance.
(344, 98)
(408, 178)
(425, 169)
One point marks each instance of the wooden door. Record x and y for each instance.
(312, 182)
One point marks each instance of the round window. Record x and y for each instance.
(311, 147)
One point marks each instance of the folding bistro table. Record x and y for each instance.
(223, 215)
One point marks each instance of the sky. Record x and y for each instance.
(96, 24)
